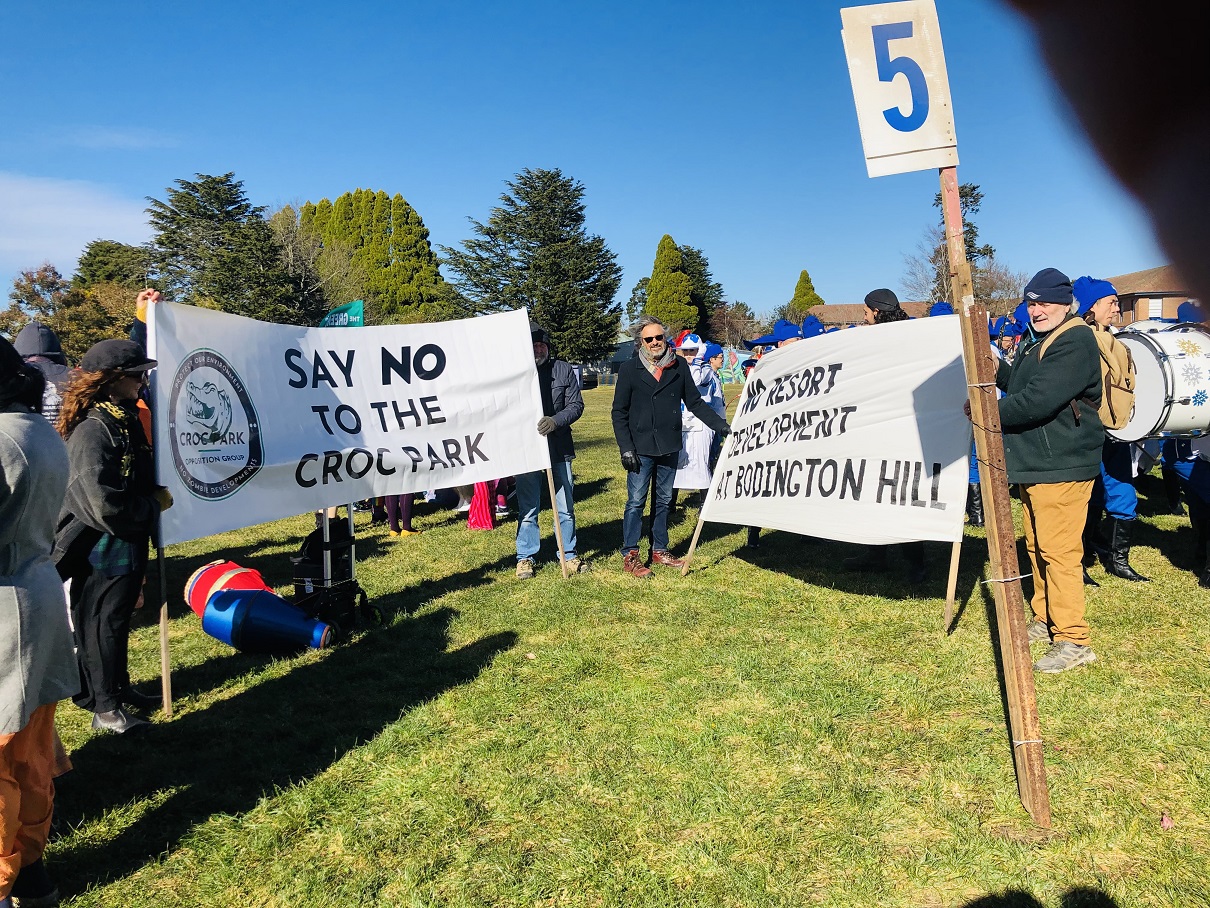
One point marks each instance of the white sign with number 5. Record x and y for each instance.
(902, 91)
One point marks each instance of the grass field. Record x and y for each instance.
(766, 731)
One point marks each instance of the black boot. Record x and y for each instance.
(1118, 562)
(1172, 489)
(1088, 581)
(873, 559)
(913, 554)
(974, 505)
(1094, 542)
(1201, 537)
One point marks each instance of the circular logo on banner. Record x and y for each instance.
(216, 441)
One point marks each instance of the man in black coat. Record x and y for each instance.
(647, 425)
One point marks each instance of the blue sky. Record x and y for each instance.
(730, 126)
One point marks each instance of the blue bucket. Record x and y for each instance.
(261, 621)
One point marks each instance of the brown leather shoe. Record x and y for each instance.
(633, 564)
(666, 558)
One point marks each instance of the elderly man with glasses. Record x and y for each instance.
(647, 425)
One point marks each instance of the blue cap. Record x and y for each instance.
(941, 308)
(1190, 311)
(1088, 290)
(812, 327)
(782, 331)
(712, 350)
(690, 340)
(1021, 316)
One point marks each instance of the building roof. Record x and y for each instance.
(1163, 278)
(854, 313)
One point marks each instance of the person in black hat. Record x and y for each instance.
(1052, 450)
(882, 306)
(40, 347)
(108, 515)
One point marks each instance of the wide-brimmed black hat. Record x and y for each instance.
(116, 355)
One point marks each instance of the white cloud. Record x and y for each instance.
(50, 220)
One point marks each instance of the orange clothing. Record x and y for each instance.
(29, 762)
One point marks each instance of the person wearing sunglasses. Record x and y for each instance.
(647, 425)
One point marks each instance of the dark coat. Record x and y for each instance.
(562, 401)
(1044, 441)
(647, 413)
(111, 486)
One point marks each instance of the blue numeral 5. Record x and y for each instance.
(889, 68)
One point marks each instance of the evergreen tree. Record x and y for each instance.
(118, 263)
(534, 253)
(800, 304)
(705, 293)
(638, 299)
(389, 250)
(213, 247)
(670, 293)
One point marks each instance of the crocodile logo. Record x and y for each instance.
(213, 427)
(209, 409)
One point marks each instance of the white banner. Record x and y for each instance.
(254, 422)
(857, 435)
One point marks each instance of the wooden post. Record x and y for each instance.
(1024, 727)
(554, 509)
(697, 531)
(951, 588)
(165, 661)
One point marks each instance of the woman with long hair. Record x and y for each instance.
(108, 515)
(37, 668)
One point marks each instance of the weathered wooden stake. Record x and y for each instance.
(1024, 727)
(951, 588)
(554, 510)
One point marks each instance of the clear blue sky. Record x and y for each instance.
(730, 126)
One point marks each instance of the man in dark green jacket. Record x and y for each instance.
(1052, 447)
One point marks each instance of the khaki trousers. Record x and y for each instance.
(29, 761)
(1054, 525)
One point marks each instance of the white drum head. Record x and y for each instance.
(1151, 390)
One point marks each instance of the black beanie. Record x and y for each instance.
(1050, 285)
(882, 300)
(10, 360)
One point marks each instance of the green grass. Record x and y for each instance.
(766, 731)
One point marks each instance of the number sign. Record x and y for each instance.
(897, 67)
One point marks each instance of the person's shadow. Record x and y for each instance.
(223, 759)
(1080, 897)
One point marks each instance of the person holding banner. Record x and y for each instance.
(646, 414)
(37, 668)
(562, 404)
(108, 515)
(1052, 449)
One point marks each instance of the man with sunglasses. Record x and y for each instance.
(647, 425)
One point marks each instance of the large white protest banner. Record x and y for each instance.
(255, 421)
(856, 435)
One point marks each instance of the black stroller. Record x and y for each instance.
(325, 579)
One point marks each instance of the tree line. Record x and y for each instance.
(212, 247)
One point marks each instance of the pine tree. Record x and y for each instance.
(534, 253)
(390, 250)
(213, 247)
(109, 260)
(706, 294)
(670, 293)
(79, 317)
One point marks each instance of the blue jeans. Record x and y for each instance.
(663, 469)
(529, 497)
(1114, 489)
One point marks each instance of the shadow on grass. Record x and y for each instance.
(1080, 897)
(224, 759)
(820, 562)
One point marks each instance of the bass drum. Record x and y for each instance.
(1173, 382)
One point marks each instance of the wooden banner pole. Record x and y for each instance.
(981, 363)
(554, 510)
(951, 587)
(165, 660)
(697, 531)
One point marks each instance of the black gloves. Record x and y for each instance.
(546, 425)
(630, 461)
